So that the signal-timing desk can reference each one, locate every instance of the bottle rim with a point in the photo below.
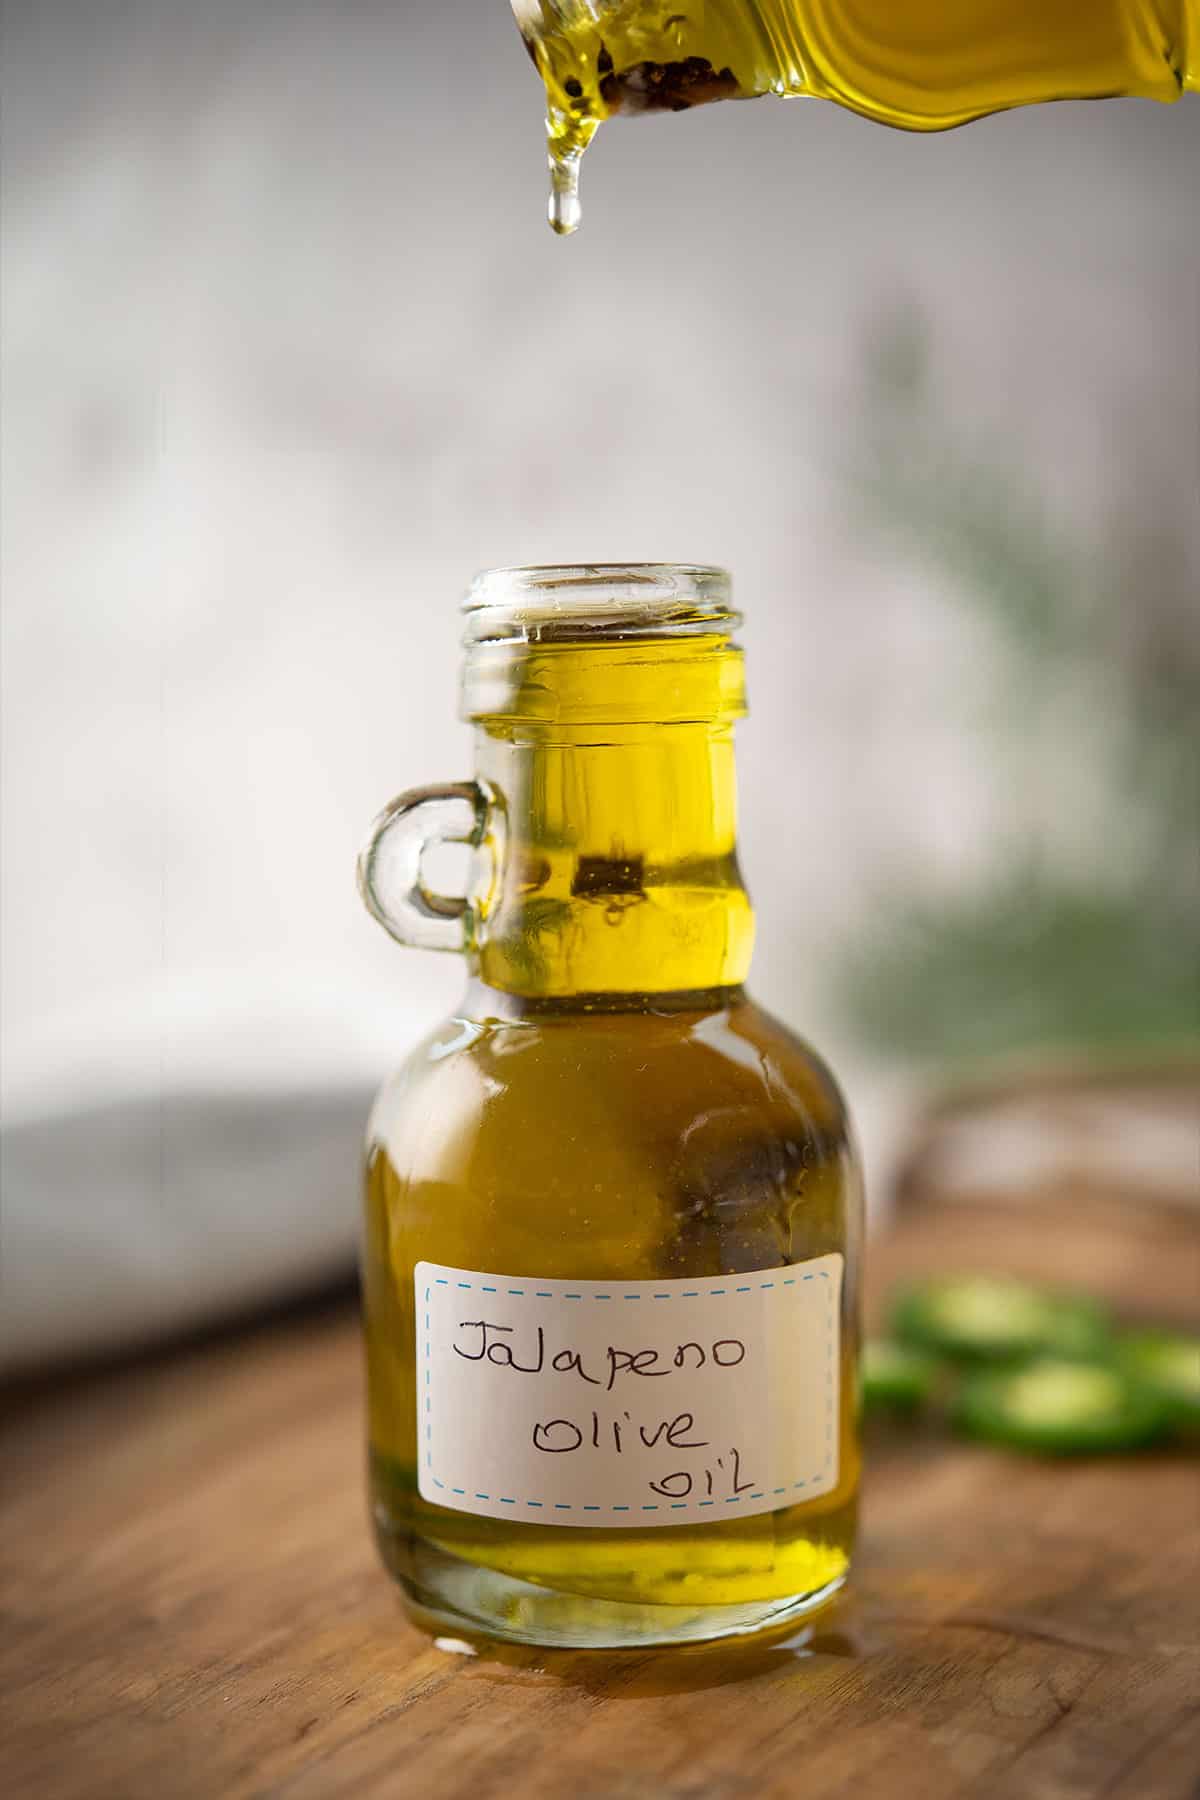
(525, 602)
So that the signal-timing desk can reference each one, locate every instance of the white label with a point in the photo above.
(627, 1403)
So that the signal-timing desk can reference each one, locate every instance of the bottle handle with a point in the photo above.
(389, 868)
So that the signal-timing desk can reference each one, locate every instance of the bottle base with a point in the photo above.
(448, 1596)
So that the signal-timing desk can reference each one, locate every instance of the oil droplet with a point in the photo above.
(564, 210)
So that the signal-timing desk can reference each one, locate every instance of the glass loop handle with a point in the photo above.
(389, 869)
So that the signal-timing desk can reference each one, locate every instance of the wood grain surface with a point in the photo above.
(192, 1607)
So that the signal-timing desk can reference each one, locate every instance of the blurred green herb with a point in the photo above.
(1041, 950)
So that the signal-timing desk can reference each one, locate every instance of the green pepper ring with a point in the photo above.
(1063, 1407)
(1156, 1360)
(990, 1319)
(895, 1377)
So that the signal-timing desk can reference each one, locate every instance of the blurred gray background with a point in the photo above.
(289, 352)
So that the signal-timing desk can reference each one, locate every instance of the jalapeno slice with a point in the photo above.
(895, 1377)
(1168, 1363)
(1062, 1407)
(992, 1318)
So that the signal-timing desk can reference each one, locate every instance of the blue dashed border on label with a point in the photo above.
(529, 1292)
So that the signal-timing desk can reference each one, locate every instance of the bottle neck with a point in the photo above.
(619, 872)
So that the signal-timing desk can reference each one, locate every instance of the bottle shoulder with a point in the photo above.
(676, 1071)
(791, 1058)
(668, 1142)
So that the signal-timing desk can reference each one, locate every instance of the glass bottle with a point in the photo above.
(918, 64)
(613, 1209)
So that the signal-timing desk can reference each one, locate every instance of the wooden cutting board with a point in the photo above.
(192, 1607)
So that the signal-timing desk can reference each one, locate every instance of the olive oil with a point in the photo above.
(918, 64)
(607, 1137)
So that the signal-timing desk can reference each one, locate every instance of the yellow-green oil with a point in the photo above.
(919, 64)
(607, 1102)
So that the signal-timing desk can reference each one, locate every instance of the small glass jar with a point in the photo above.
(613, 1229)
